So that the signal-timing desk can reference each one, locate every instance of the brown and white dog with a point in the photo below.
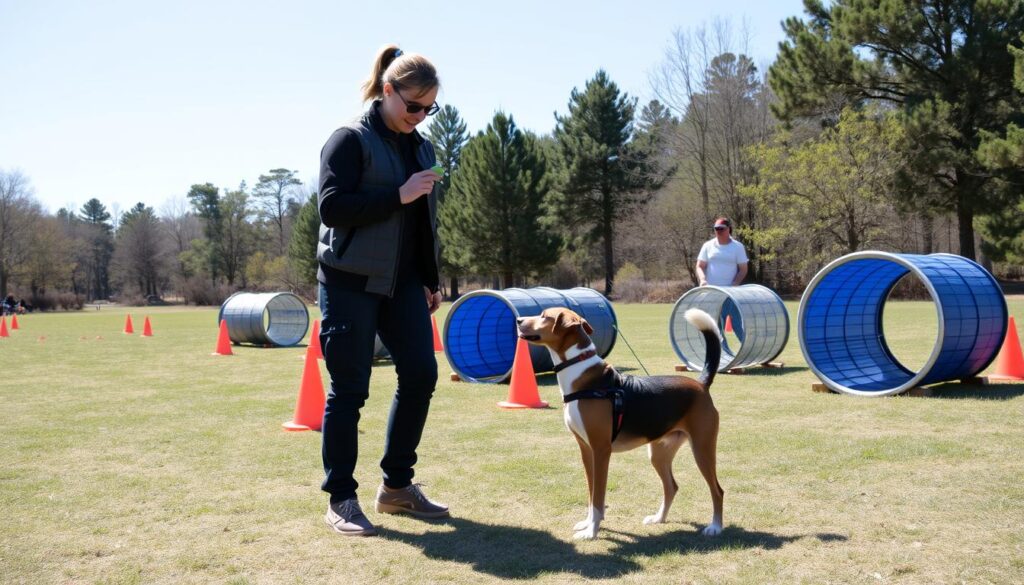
(609, 412)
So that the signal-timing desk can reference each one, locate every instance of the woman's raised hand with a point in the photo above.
(417, 186)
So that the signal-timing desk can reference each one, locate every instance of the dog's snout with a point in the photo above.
(520, 320)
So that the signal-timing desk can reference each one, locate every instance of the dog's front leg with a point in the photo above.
(588, 467)
(599, 486)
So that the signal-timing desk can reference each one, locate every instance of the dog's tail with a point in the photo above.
(712, 340)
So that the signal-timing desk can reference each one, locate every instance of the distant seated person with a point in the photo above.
(21, 308)
(723, 262)
(10, 305)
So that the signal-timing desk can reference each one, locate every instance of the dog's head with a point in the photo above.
(557, 328)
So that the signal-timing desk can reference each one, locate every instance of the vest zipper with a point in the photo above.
(401, 223)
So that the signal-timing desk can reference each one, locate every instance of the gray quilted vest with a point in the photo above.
(372, 250)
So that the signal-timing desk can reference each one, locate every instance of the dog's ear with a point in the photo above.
(559, 321)
(586, 326)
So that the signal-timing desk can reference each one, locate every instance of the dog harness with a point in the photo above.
(616, 395)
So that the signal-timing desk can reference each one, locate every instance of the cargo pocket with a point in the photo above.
(332, 334)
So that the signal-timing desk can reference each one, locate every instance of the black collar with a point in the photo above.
(573, 361)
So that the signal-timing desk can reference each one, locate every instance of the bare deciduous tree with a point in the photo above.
(182, 226)
(710, 83)
(19, 212)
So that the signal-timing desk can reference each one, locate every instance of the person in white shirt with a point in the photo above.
(723, 262)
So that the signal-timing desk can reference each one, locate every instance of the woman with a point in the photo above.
(378, 273)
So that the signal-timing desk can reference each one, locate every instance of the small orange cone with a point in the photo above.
(309, 407)
(728, 323)
(1010, 362)
(223, 340)
(128, 324)
(3, 327)
(14, 322)
(314, 340)
(147, 329)
(437, 337)
(522, 391)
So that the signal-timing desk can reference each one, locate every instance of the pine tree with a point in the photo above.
(1004, 156)
(653, 146)
(303, 243)
(139, 256)
(206, 201)
(944, 65)
(237, 235)
(599, 176)
(491, 220)
(275, 194)
(448, 134)
(101, 245)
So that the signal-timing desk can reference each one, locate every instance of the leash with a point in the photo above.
(619, 332)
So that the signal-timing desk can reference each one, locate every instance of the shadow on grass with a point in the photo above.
(262, 346)
(759, 371)
(956, 391)
(512, 552)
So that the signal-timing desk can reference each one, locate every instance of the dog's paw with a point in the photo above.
(587, 533)
(712, 530)
(581, 524)
(654, 519)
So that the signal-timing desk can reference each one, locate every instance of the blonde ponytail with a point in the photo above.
(402, 70)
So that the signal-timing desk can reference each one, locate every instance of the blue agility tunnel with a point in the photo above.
(840, 321)
(761, 324)
(480, 331)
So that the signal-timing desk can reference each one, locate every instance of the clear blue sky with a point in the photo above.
(136, 101)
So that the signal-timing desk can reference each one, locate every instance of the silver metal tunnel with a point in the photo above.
(265, 318)
(758, 316)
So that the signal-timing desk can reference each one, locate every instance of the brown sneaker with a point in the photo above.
(347, 518)
(408, 500)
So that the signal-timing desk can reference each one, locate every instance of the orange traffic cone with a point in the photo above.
(3, 327)
(147, 329)
(1010, 363)
(309, 408)
(728, 323)
(14, 322)
(314, 340)
(437, 337)
(522, 391)
(223, 340)
(128, 324)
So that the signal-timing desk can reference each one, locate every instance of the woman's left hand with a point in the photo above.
(433, 299)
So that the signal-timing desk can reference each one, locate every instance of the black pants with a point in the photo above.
(351, 320)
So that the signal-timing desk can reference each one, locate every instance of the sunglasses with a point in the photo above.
(414, 108)
(719, 228)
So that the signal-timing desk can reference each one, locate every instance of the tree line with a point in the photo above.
(893, 126)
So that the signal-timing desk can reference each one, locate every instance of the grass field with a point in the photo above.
(135, 460)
